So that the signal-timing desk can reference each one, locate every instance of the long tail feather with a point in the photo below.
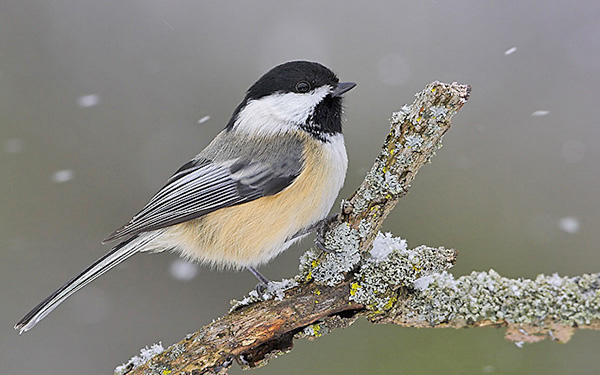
(114, 257)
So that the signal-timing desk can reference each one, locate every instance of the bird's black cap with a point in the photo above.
(292, 77)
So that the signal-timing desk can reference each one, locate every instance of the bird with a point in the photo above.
(267, 180)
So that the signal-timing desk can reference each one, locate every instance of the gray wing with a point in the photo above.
(203, 186)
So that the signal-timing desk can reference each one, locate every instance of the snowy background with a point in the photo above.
(101, 101)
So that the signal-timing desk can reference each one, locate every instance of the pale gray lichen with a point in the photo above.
(405, 110)
(364, 228)
(413, 141)
(400, 116)
(342, 241)
(360, 204)
(392, 185)
(438, 112)
(378, 185)
(145, 355)
(176, 350)
(432, 128)
(488, 296)
(380, 182)
(404, 159)
(380, 276)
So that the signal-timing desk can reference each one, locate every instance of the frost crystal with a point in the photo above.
(136, 361)
(384, 244)
(274, 290)
(423, 282)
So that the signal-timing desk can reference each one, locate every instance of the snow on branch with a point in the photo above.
(377, 276)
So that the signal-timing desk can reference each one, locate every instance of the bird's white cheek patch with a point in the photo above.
(278, 113)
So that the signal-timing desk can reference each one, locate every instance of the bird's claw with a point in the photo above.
(320, 238)
(261, 288)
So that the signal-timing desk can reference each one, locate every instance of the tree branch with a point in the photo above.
(376, 276)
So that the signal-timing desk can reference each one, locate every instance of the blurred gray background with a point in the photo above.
(100, 101)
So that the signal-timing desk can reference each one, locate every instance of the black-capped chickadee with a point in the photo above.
(263, 183)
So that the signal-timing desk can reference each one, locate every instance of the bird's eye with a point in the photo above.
(303, 86)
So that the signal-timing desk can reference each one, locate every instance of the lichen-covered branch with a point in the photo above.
(549, 306)
(416, 133)
(375, 275)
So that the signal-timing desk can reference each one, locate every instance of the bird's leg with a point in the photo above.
(318, 227)
(313, 227)
(262, 280)
(307, 230)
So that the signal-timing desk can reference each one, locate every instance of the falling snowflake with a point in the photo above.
(182, 270)
(62, 176)
(569, 224)
(204, 119)
(87, 101)
(540, 113)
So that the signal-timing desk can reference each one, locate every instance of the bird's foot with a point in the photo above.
(263, 282)
(323, 225)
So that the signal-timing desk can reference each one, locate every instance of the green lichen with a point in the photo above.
(393, 266)
(159, 369)
(315, 330)
(480, 296)
(342, 242)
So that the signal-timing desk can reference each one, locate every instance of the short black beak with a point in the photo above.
(342, 87)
